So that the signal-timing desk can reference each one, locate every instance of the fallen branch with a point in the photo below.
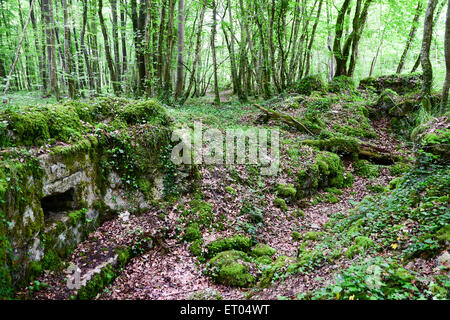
(289, 120)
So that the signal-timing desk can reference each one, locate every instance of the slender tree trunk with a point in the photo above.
(47, 9)
(197, 52)
(39, 48)
(109, 60)
(68, 52)
(169, 52)
(412, 35)
(444, 100)
(115, 37)
(213, 49)
(308, 57)
(83, 48)
(180, 63)
(123, 32)
(435, 21)
(425, 56)
(19, 46)
(147, 55)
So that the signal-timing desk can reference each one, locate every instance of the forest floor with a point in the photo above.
(171, 271)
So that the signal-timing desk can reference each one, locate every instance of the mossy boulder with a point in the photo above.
(237, 242)
(261, 250)
(192, 232)
(327, 170)
(401, 84)
(341, 83)
(280, 203)
(434, 138)
(309, 84)
(231, 268)
(286, 190)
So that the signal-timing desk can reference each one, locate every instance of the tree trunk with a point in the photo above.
(435, 21)
(411, 36)
(83, 48)
(197, 52)
(115, 36)
(213, 49)
(109, 60)
(47, 9)
(123, 31)
(180, 61)
(68, 52)
(19, 46)
(444, 100)
(38, 49)
(425, 56)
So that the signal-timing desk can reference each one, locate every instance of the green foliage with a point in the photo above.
(376, 279)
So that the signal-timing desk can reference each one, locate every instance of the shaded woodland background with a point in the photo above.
(177, 49)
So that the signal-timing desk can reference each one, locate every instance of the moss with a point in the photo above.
(286, 190)
(336, 144)
(237, 242)
(51, 261)
(202, 211)
(196, 247)
(77, 217)
(312, 235)
(365, 169)
(269, 273)
(143, 112)
(299, 213)
(229, 268)
(296, 236)
(193, 233)
(309, 84)
(280, 203)
(401, 84)
(341, 83)
(230, 190)
(97, 283)
(263, 250)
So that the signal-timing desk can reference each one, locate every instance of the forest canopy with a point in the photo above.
(176, 49)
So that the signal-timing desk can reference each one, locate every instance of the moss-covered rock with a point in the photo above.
(263, 250)
(237, 242)
(309, 84)
(341, 83)
(434, 138)
(280, 203)
(286, 190)
(192, 232)
(401, 84)
(327, 170)
(231, 268)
